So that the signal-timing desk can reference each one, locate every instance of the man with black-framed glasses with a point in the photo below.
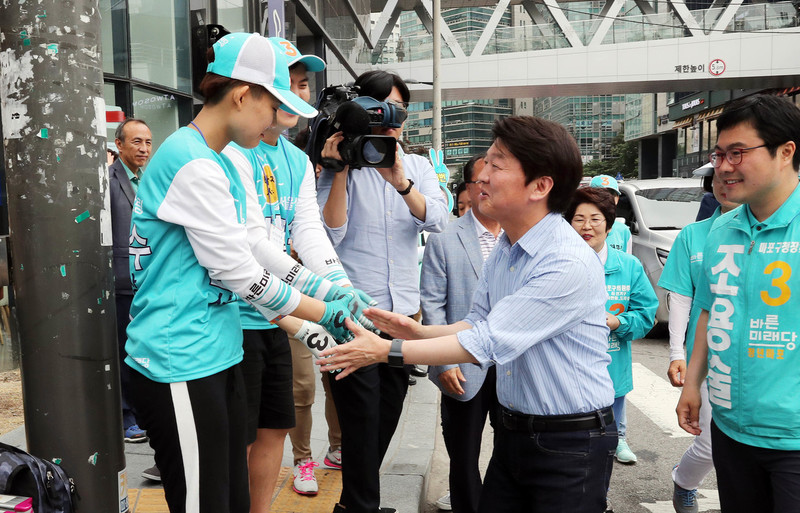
(746, 340)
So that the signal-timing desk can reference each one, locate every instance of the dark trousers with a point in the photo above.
(753, 479)
(123, 319)
(462, 429)
(549, 472)
(198, 432)
(369, 403)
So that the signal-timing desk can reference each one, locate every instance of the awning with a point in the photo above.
(683, 122)
(710, 114)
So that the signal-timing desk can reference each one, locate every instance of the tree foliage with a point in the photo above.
(624, 160)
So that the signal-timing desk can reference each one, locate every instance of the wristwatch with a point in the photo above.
(407, 189)
(396, 353)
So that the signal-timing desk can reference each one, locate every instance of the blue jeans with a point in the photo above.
(620, 415)
(543, 472)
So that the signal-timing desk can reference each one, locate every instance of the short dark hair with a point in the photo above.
(775, 119)
(462, 187)
(120, 131)
(378, 84)
(543, 148)
(469, 167)
(214, 87)
(603, 199)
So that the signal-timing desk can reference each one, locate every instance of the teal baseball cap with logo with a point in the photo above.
(252, 58)
(293, 55)
(605, 182)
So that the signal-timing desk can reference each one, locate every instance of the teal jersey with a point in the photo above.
(619, 237)
(632, 299)
(277, 173)
(188, 259)
(751, 289)
(687, 255)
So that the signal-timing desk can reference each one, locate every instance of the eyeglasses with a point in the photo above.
(733, 156)
(475, 181)
(593, 221)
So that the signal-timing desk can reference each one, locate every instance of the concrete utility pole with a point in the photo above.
(54, 138)
(437, 82)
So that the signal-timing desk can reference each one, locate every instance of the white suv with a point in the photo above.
(655, 211)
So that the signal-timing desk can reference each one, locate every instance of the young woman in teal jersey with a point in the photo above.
(190, 258)
(632, 302)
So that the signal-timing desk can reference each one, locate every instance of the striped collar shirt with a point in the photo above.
(539, 315)
(486, 238)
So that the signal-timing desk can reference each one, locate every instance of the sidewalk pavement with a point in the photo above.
(403, 474)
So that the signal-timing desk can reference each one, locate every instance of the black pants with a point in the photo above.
(369, 403)
(462, 429)
(546, 472)
(123, 319)
(753, 479)
(197, 430)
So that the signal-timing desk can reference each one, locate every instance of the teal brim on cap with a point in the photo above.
(292, 103)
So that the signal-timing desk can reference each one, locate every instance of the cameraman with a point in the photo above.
(373, 217)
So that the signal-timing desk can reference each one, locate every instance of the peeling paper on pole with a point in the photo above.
(16, 71)
(99, 122)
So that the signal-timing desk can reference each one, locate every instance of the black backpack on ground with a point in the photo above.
(26, 475)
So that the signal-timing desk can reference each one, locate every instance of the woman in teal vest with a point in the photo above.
(632, 302)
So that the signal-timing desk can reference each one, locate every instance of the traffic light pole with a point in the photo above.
(54, 138)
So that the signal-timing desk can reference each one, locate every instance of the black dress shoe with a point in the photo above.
(412, 381)
(416, 371)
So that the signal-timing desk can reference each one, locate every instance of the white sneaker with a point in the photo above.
(444, 502)
(333, 459)
(304, 481)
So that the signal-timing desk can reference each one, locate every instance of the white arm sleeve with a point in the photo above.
(266, 252)
(309, 237)
(679, 308)
(199, 199)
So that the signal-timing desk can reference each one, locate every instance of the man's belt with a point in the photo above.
(598, 419)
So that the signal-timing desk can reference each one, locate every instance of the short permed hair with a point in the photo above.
(603, 199)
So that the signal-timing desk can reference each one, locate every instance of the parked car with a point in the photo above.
(655, 211)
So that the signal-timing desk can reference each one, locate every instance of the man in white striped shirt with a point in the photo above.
(538, 314)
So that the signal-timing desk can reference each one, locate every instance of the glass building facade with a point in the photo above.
(592, 120)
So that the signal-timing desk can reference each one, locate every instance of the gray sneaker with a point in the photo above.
(333, 459)
(683, 500)
(153, 474)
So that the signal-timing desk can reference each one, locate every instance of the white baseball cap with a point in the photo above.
(252, 58)
(293, 55)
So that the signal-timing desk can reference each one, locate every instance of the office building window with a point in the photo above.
(159, 41)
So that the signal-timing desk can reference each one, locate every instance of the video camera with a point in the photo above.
(343, 110)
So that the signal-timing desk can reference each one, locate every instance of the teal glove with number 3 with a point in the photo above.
(357, 301)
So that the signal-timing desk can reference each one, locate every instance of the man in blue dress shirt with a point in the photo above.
(538, 314)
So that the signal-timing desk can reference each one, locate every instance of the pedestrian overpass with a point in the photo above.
(561, 48)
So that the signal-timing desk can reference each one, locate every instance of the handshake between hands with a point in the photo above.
(342, 303)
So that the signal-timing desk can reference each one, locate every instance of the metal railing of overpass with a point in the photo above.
(564, 48)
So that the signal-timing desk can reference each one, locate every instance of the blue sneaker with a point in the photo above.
(135, 435)
(683, 500)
